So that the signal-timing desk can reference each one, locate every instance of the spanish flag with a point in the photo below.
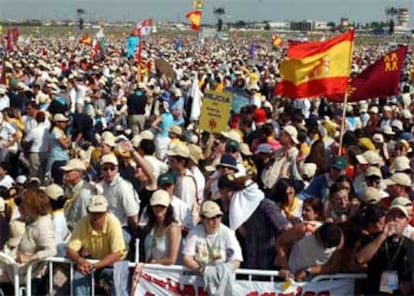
(277, 42)
(194, 17)
(318, 68)
(86, 39)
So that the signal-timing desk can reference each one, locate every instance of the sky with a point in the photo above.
(175, 10)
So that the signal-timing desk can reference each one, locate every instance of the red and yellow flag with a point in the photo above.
(318, 68)
(86, 39)
(194, 17)
(277, 42)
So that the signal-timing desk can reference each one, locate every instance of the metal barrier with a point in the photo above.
(247, 272)
(16, 281)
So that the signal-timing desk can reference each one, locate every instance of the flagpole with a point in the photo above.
(341, 135)
(139, 78)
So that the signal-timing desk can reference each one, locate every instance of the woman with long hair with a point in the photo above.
(257, 219)
(164, 234)
(317, 155)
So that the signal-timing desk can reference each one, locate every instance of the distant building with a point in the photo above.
(402, 18)
(280, 25)
(309, 25)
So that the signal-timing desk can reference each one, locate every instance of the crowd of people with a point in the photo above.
(91, 159)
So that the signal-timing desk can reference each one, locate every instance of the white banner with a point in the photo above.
(150, 281)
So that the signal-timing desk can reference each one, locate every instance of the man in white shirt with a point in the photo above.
(29, 120)
(185, 186)
(37, 140)
(122, 198)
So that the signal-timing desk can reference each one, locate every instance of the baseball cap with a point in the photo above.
(210, 209)
(232, 145)
(74, 164)
(398, 178)
(371, 195)
(309, 169)
(400, 164)
(98, 204)
(339, 163)
(196, 153)
(54, 191)
(59, 117)
(245, 149)
(373, 171)
(228, 161)
(292, 132)
(176, 130)
(109, 158)
(160, 198)
(403, 204)
(264, 148)
(368, 157)
(180, 150)
(165, 179)
(232, 135)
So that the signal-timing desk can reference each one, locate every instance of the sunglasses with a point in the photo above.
(213, 218)
(105, 169)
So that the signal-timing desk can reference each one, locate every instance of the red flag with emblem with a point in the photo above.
(381, 79)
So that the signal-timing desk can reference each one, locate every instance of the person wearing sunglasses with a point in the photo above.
(123, 200)
(211, 242)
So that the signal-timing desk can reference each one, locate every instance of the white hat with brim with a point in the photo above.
(160, 198)
(98, 204)
(232, 135)
(109, 158)
(180, 150)
(403, 204)
(292, 132)
(398, 178)
(371, 195)
(59, 117)
(74, 164)
(210, 209)
(54, 191)
(400, 164)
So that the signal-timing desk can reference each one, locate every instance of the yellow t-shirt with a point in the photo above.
(98, 245)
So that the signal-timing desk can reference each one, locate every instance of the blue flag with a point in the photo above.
(252, 49)
(179, 44)
(132, 43)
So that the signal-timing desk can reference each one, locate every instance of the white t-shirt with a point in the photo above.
(219, 247)
(308, 252)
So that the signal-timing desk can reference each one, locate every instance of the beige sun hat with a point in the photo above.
(54, 191)
(160, 198)
(98, 204)
(210, 209)
(74, 164)
(292, 132)
(180, 150)
(109, 158)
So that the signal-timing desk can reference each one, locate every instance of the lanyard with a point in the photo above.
(213, 246)
(391, 263)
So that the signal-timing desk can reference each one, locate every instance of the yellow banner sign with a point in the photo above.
(215, 113)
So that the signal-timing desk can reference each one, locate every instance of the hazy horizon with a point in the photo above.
(135, 10)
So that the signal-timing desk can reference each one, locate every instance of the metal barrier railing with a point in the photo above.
(247, 272)
(16, 278)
